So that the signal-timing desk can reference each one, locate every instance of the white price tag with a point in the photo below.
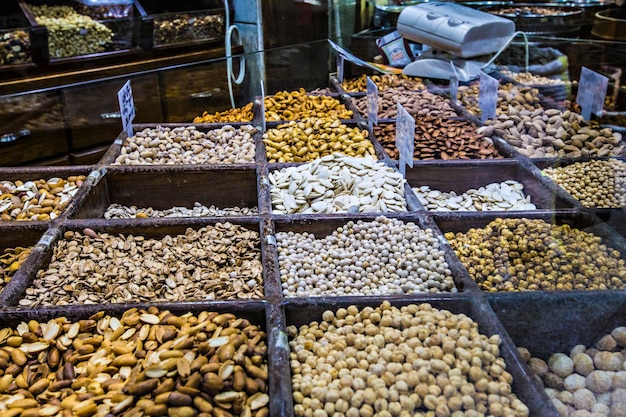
(127, 107)
(487, 97)
(340, 65)
(454, 84)
(263, 125)
(405, 138)
(594, 84)
(372, 103)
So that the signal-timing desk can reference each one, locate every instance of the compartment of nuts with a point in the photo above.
(537, 251)
(338, 183)
(285, 106)
(140, 192)
(308, 139)
(96, 263)
(436, 356)
(382, 81)
(207, 360)
(443, 138)
(493, 185)
(418, 103)
(186, 145)
(574, 347)
(16, 245)
(366, 256)
(38, 194)
(70, 33)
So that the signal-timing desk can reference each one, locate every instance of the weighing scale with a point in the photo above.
(454, 33)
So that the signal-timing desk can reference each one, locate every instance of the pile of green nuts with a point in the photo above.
(37, 199)
(589, 381)
(531, 254)
(414, 360)
(596, 183)
(70, 33)
(147, 362)
(284, 105)
(10, 261)
(384, 256)
(383, 82)
(312, 138)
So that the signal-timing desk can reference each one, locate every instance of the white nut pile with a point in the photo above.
(589, 382)
(337, 184)
(410, 361)
(118, 211)
(385, 256)
(187, 145)
(498, 196)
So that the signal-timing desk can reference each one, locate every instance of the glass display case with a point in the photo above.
(262, 247)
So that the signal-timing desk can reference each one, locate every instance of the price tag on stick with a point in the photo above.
(454, 83)
(263, 122)
(372, 103)
(592, 85)
(127, 107)
(405, 137)
(487, 97)
(340, 65)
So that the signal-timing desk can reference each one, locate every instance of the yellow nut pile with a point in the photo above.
(410, 361)
(531, 254)
(71, 33)
(312, 138)
(596, 183)
(146, 363)
(10, 261)
(284, 105)
(589, 381)
(383, 81)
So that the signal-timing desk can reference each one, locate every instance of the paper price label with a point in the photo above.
(263, 125)
(372, 103)
(127, 107)
(594, 84)
(405, 134)
(454, 83)
(340, 65)
(487, 97)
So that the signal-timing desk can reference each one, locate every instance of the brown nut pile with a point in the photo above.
(146, 363)
(528, 78)
(596, 183)
(37, 199)
(383, 82)
(186, 27)
(285, 105)
(553, 133)
(589, 381)
(439, 138)
(409, 361)
(10, 261)
(215, 262)
(419, 103)
(531, 254)
(312, 138)
(71, 33)
(510, 97)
